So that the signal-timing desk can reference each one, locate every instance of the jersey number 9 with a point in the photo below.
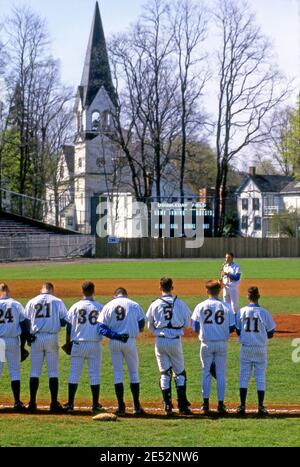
(120, 313)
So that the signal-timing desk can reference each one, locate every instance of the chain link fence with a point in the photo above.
(43, 247)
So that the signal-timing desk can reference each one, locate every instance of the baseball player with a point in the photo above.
(121, 320)
(47, 314)
(255, 326)
(86, 345)
(213, 320)
(231, 275)
(12, 325)
(167, 317)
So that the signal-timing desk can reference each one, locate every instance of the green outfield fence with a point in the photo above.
(212, 248)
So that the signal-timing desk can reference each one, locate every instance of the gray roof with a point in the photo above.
(267, 183)
(96, 70)
(292, 187)
(69, 153)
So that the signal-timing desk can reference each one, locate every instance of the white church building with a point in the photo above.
(87, 170)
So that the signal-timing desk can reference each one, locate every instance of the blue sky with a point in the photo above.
(69, 24)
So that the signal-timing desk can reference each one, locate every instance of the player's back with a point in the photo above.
(11, 314)
(45, 312)
(215, 318)
(122, 316)
(170, 314)
(83, 316)
(254, 322)
(234, 270)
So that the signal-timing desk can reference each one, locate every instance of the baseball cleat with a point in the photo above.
(139, 411)
(221, 410)
(168, 409)
(185, 411)
(32, 407)
(98, 409)
(205, 409)
(262, 410)
(241, 410)
(19, 407)
(56, 407)
(120, 412)
(68, 407)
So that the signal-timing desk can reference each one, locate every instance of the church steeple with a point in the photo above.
(96, 71)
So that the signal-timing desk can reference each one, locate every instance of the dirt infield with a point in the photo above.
(184, 287)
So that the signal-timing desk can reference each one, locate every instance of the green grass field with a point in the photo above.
(181, 269)
(283, 376)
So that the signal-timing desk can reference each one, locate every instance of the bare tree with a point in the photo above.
(27, 42)
(249, 89)
(113, 166)
(148, 106)
(59, 131)
(189, 27)
(51, 125)
(35, 100)
(3, 110)
(275, 150)
(158, 61)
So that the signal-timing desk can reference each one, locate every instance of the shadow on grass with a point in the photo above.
(157, 416)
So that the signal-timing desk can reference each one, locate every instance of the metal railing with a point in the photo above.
(43, 247)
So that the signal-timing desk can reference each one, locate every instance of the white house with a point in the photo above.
(259, 197)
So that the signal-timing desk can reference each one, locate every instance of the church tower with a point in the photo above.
(94, 104)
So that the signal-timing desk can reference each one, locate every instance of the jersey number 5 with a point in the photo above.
(168, 312)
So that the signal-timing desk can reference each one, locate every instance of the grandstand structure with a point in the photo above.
(24, 238)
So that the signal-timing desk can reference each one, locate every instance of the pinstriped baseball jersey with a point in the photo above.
(215, 317)
(11, 315)
(83, 317)
(45, 312)
(254, 322)
(167, 316)
(231, 270)
(122, 316)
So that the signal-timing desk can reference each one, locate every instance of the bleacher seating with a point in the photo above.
(13, 228)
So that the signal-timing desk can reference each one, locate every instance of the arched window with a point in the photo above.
(96, 121)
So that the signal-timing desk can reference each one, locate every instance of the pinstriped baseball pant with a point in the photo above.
(90, 351)
(169, 354)
(213, 351)
(253, 358)
(231, 297)
(45, 346)
(121, 351)
(13, 356)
